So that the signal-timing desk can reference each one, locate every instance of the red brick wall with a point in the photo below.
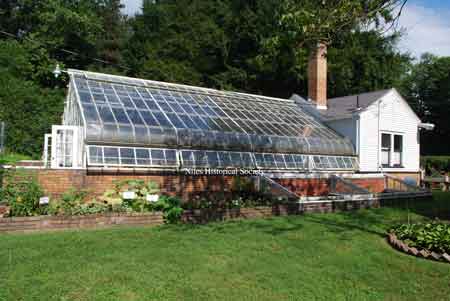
(374, 185)
(56, 182)
(306, 187)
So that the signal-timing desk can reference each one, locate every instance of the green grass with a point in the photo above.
(12, 158)
(313, 257)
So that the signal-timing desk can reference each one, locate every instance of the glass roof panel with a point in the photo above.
(138, 102)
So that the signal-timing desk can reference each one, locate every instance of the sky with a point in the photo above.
(426, 25)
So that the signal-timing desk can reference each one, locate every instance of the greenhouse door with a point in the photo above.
(64, 150)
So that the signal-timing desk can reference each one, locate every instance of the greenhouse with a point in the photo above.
(120, 122)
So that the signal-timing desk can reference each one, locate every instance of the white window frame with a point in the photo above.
(391, 150)
(74, 144)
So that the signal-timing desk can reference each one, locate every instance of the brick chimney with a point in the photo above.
(317, 76)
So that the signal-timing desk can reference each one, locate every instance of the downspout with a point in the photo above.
(379, 138)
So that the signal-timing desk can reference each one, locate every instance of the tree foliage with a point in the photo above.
(427, 89)
(253, 46)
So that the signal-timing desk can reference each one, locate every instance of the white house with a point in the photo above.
(381, 125)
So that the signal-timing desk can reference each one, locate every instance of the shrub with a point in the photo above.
(171, 208)
(22, 193)
(435, 165)
(433, 236)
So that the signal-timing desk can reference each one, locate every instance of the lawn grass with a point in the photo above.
(340, 256)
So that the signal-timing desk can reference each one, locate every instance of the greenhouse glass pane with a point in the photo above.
(279, 161)
(333, 162)
(188, 158)
(177, 108)
(127, 156)
(225, 160)
(341, 163)
(176, 121)
(213, 159)
(111, 155)
(120, 115)
(200, 123)
(99, 98)
(135, 117)
(85, 97)
(143, 157)
(95, 155)
(188, 122)
(236, 160)
(247, 160)
(139, 103)
(126, 101)
(317, 162)
(106, 114)
(165, 107)
(348, 162)
(113, 99)
(158, 157)
(149, 119)
(270, 161)
(187, 108)
(243, 115)
(290, 162)
(171, 157)
(152, 105)
(163, 121)
(260, 160)
(90, 113)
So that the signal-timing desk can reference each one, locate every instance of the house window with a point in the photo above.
(385, 150)
(391, 150)
(398, 151)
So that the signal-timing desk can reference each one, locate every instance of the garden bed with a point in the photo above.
(429, 240)
(423, 253)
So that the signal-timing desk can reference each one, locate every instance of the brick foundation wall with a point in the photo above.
(306, 187)
(56, 182)
(53, 223)
(404, 175)
(95, 221)
(374, 185)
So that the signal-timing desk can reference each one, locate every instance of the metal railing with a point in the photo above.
(339, 186)
(394, 184)
(267, 186)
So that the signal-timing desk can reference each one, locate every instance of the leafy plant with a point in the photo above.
(433, 236)
(141, 190)
(69, 204)
(22, 193)
(171, 208)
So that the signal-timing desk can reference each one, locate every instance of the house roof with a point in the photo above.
(344, 107)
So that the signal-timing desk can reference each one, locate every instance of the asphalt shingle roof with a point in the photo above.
(341, 107)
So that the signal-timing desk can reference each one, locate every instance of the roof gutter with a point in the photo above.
(427, 126)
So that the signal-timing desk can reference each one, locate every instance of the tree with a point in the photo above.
(242, 45)
(427, 89)
(308, 22)
(27, 109)
(363, 61)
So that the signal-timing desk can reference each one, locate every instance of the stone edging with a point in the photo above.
(423, 253)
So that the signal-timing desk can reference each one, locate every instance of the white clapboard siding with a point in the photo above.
(391, 114)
